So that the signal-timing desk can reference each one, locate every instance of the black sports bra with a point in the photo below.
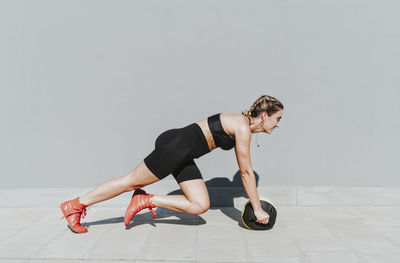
(221, 138)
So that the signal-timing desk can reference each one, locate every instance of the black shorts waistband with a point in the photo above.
(201, 141)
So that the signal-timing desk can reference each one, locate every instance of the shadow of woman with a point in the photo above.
(222, 192)
(146, 218)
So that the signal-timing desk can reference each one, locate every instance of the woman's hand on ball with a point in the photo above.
(262, 216)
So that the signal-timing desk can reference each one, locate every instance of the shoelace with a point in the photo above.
(83, 213)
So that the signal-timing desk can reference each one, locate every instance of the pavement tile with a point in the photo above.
(393, 211)
(46, 260)
(51, 216)
(70, 245)
(169, 253)
(386, 227)
(302, 234)
(361, 237)
(274, 250)
(18, 249)
(264, 259)
(173, 235)
(219, 230)
(218, 254)
(364, 211)
(296, 216)
(121, 244)
(9, 260)
(38, 234)
(24, 216)
(332, 257)
(6, 211)
(227, 242)
(9, 230)
(314, 238)
(390, 233)
(275, 235)
(332, 212)
(380, 257)
(161, 261)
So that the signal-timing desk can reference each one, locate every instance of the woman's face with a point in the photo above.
(271, 122)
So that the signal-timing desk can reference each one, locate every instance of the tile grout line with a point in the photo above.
(144, 247)
(349, 245)
(303, 254)
(393, 242)
(98, 241)
(196, 250)
(22, 229)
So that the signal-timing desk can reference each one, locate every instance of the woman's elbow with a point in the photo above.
(245, 175)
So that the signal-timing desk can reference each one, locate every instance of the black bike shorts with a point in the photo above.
(174, 152)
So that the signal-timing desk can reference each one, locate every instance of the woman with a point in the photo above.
(174, 152)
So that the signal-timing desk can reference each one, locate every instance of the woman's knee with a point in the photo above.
(129, 183)
(132, 181)
(200, 207)
(139, 177)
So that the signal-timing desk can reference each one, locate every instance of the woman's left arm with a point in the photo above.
(242, 150)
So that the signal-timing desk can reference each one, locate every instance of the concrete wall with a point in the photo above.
(87, 86)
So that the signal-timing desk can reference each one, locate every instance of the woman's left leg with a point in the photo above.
(74, 209)
(137, 178)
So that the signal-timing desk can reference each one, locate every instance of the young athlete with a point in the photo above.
(174, 153)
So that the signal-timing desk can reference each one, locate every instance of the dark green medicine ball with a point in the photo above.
(249, 219)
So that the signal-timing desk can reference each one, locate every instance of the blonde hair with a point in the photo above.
(264, 103)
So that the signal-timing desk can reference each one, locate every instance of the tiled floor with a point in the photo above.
(322, 224)
(301, 234)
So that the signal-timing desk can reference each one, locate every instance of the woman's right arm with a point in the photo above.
(242, 150)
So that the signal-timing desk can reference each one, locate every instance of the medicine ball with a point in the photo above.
(249, 219)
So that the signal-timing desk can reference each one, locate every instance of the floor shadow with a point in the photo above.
(222, 192)
(147, 218)
(108, 221)
(186, 222)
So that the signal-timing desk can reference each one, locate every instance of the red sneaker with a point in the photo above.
(72, 211)
(140, 200)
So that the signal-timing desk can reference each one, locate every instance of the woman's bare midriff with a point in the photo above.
(207, 133)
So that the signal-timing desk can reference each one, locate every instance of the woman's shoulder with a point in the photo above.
(234, 118)
(232, 122)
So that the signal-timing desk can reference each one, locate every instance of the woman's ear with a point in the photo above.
(264, 115)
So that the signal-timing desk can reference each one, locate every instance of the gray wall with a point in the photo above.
(87, 86)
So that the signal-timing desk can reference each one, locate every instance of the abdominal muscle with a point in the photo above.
(207, 133)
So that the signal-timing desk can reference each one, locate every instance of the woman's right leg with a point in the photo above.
(137, 178)
(194, 201)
